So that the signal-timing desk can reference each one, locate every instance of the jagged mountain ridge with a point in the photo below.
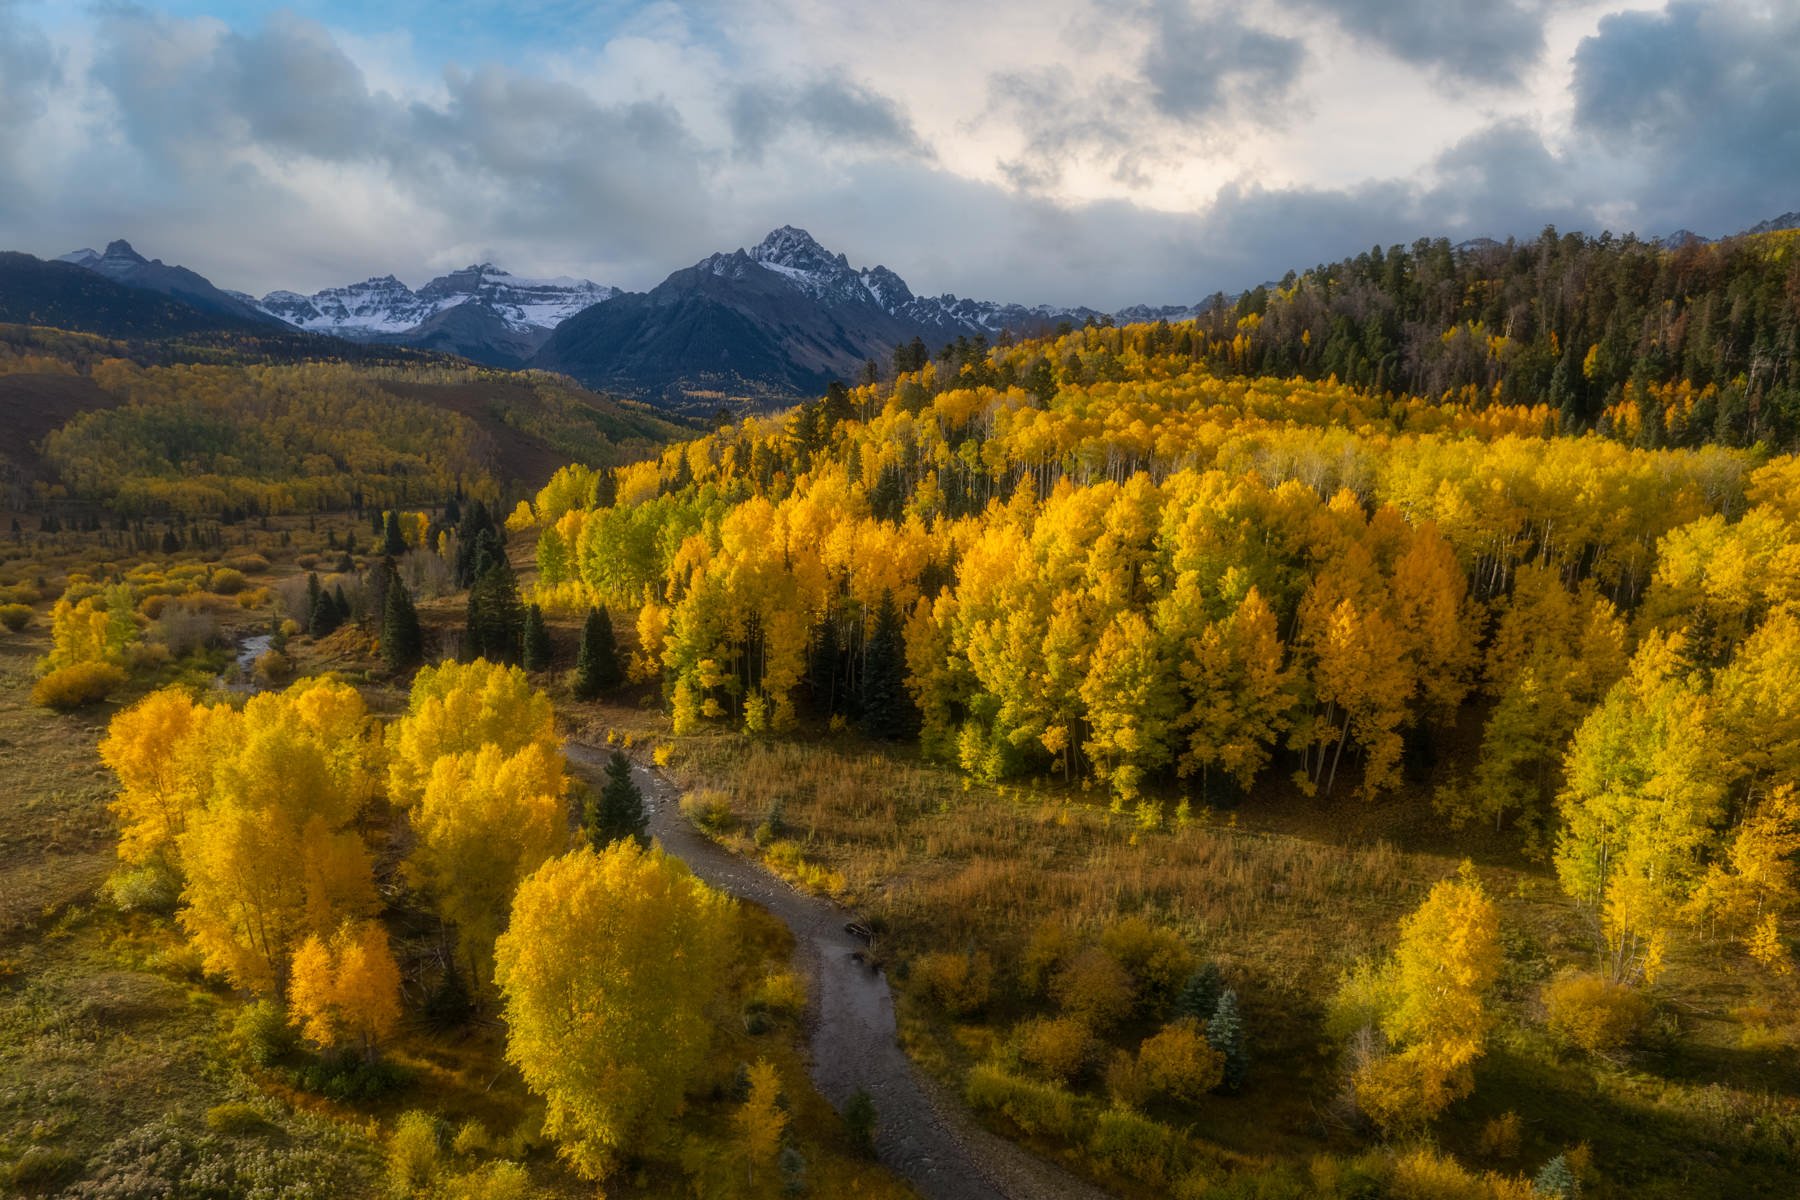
(384, 307)
(124, 265)
(781, 319)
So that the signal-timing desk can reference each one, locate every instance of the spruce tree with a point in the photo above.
(393, 542)
(341, 602)
(822, 671)
(597, 662)
(1200, 994)
(324, 618)
(402, 644)
(886, 708)
(1225, 1033)
(534, 641)
(496, 614)
(619, 810)
(1557, 1179)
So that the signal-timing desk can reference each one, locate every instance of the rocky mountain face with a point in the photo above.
(123, 265)
(480, 312)
(779, 320)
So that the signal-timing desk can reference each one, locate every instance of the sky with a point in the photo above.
(1039, 151)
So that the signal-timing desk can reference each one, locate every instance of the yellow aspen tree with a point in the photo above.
(163, 750)
(607, 967)
(761, 1123)
(459, 707)
(1132, 704)
(346, 991)
(487, 820)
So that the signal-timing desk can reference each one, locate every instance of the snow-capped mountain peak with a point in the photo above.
(383, 307)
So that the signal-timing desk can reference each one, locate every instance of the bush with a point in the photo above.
(41, 1168)
(496, 1181)
(1179, 1064)
(15, 616)
(1050, 946)
(1059, 1047)
(260, 1033)
(780, 992)
(1094, 988)
(859, 1123)
(471, 1138)
(226, 581)
(272, 668)
(1596, 1014)
(1036, 1108)
(1127, 1081)
(73, 686)
(707, 809)
(1126, 1143)
(236, 1117)
(413, 1157)
(1157, 960)
(143, 889)
(960, 984)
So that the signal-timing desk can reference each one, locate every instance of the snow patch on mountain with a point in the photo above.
(385, 307)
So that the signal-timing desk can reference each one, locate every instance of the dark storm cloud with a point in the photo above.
(1199, 64)
(1705, 102)
(836, 110)
(1478, 41)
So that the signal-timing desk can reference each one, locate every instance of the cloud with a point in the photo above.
(835, 110)
(1700, 102)
(1200, 64)
(1462, 41)
(29, 69)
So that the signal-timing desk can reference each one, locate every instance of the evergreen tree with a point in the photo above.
(534, 641)
(1200, 994)
(886, 707)
(393, 543)
(619, 810)
(1225, 1033)
(1557, 1179)
(342, 604)
(822, 671)
(496, 615)
(597, 662)
(324, 618)
(402, 644)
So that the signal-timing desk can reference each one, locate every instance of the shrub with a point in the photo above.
(1500, 1136)
(226, 581)
(248, 564)
(1059, 1047)
(1036, 1108)
(73, 686)
(260, 1033)
(780, 992)
(1596, 1014)
(41, 1168)
(663, 755)
(960, 984)
(236, 1117)
(1178, 1062)
(1127, 1080)
(1093, 987)
(1129, 1144)
(1050, 946)
(1157, 960)
(496, 1181)
(15, 616)
(412, 1156)
(260, 597)
(707, 809)
(272, 667)
(859, 1123)
(143, 889)
(471, 1138)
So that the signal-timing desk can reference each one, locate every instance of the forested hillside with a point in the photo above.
(1661, 346)
(217, 429)
(1122, 561)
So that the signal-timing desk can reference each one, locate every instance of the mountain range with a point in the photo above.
(765, 325)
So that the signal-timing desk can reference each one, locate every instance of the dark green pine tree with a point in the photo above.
(324, 618)
(472, 626)
(1225, 1033)
(1200, 994)
(312, 600)
(534, 641)
(496, 614)
(393, 543)
(341, 602)
(887, 710)
(402, 644)
(597, 662)
(618, 812)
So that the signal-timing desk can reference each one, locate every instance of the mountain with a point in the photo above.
(126, 266)
(480, 312)
(782, 319)
(65, 295)
(1776, 224)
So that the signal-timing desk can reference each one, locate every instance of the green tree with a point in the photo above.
(534, 639)
(496, 615)
(618, 812)
(1200, 994)
(597, 667)
(1225, 1033)
(393, 542)
(402, 643)
(886, 707)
